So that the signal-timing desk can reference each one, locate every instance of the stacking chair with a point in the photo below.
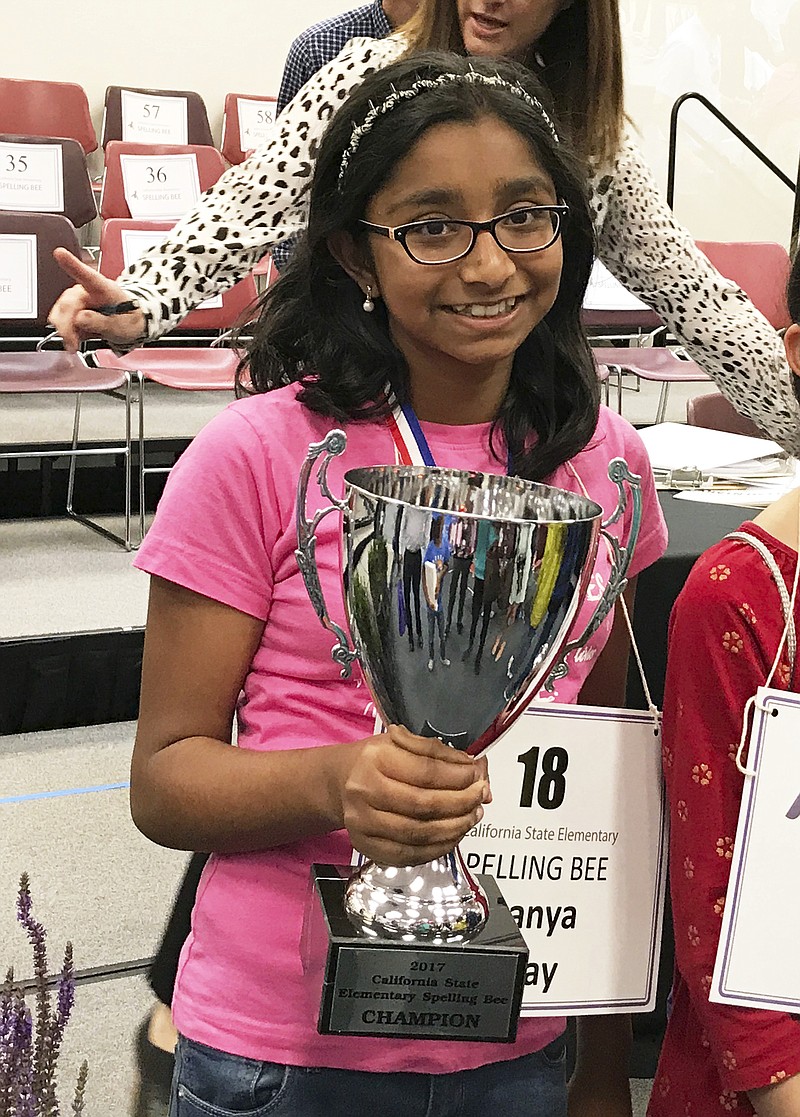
(171, 116)
(26, 254)
(183, 368)
(113, 201)
(77, 196)
(714, 412)
(246, 122)
(760, 268)
(46, 108)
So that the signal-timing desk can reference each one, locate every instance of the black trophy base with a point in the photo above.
(381, 987)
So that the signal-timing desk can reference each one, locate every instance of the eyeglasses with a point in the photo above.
(441, 240)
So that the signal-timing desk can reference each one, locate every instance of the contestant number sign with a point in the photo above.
(32, 177)
(256, 119)
(18, 276)
(161, 186)
(155, 119)
(576, 839)
(758, 963)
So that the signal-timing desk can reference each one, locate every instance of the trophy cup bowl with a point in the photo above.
(460, 590)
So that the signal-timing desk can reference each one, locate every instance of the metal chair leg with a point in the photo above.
(122, 541)
(662, 402)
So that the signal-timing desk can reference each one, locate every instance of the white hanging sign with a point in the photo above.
(32, 177)
(135, 242)
(576, 839)
(155, 119)
(160, 186)
(758, 963)
(18, 276)
(256, 120)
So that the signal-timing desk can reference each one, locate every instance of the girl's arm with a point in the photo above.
(656, 258)
(600, 1087)
(403, 799)
(780, 1100)
(252, 207)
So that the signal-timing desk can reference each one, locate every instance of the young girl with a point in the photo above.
(725, 630)
(441, 211)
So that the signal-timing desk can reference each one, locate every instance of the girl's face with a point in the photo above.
(505, 27)
(474, 313)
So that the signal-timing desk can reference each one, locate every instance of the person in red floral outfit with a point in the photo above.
(724, 634)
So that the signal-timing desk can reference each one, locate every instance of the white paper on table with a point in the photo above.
(607, 293)
(160, 186)
(19, 296)
(256, 121)
(147, 118)
(680, 446)
(758, 963)
(135, 242)
(32, 177)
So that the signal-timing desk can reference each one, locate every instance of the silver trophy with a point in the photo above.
(461, 589)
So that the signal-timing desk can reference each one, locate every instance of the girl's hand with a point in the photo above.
(407, 799)
(74, 315)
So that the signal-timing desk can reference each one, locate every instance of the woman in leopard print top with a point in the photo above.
(262, 201)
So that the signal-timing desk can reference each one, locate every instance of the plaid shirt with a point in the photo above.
(311, 51)
(322, 42)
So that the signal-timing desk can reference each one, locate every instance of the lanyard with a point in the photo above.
(411, 445)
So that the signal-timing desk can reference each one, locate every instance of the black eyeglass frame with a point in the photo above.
(400, 232)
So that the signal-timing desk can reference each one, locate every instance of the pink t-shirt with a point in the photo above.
(225, 528)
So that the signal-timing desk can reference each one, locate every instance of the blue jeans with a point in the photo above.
(209, 1083)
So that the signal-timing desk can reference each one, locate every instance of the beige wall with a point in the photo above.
(743, 53)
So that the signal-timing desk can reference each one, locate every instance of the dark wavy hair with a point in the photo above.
(312, 326)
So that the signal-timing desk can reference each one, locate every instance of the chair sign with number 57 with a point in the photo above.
(256, 120)
(32, 177)
(160, 185)
(153, 118)
(758, 963)
(576, 839)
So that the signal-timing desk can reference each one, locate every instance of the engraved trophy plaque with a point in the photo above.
(460, 590)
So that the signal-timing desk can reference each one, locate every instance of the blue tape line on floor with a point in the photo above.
(62, 794)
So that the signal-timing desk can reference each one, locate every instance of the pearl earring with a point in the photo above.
(369, 304)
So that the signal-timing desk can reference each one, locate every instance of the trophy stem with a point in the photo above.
(437, 902)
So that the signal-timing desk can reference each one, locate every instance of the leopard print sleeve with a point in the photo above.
(253, 206)
(657, 259)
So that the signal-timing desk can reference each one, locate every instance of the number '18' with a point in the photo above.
(551, 785)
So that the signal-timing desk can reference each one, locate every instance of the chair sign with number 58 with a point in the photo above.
(160, 185)
(256, 120)
(576, 838)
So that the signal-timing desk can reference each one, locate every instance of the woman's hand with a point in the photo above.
(74, 316)
(407, 799)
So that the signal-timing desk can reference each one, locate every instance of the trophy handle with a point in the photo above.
(621, 557)
(332, 446)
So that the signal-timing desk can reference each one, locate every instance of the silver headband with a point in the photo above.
(397, 96)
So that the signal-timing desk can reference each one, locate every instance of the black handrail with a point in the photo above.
(748, 143)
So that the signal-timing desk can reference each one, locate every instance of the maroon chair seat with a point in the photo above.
(188, 369)
(114, 204)
(714, 412)
(198, 130)
(79, 204)
(46, 108)
(55, 371)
